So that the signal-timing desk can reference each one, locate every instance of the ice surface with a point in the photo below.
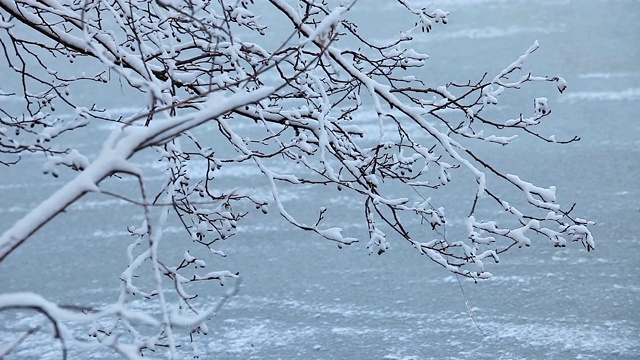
(303, 298)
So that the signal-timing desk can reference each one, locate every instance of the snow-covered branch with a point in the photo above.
(210, 90)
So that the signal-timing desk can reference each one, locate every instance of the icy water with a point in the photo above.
(302, 298)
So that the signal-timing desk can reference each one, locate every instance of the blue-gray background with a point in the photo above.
(303, 298)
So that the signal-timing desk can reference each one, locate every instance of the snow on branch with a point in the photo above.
(207, 90)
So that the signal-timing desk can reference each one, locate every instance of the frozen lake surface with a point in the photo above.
(302, 298)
